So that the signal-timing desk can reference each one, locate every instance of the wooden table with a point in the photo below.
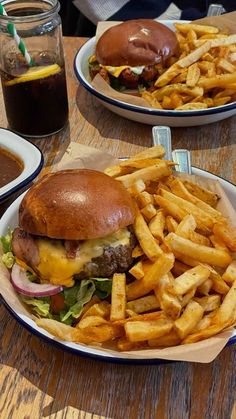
(38, 380)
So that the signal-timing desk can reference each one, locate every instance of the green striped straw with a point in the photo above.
(12, 31)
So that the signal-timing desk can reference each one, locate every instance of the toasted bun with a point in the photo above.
(76, 205)
(135, 43)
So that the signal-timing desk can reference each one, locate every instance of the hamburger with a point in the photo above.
(128, 54)
(74, 227)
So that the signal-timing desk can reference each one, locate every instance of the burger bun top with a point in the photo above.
(76, 205)
(136, 43)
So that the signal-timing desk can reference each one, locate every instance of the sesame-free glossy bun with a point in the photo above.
(76, 205)
(136, 43)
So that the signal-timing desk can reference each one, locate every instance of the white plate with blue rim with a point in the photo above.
(10, 220)
(30, 157)
(171, 118)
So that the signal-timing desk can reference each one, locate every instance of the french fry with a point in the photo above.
(101, 309)
(205, 287)
(148, 173)
(193, 75)
(179, 268)
(223, 41)
(137, 331)
(169, 303)
(192, 106)
(170, 339)
(137, 270)
(146, 239)
(142, 163)
(189, 319)
(217, 243)
(226, 234)
(204, 221)
(187, 260)
(171, 223)
(178, 87)
(221, 100)
(118, 297)
(176, 99)
(221, 80)
(226, 65)
(170, 208)
(195, 55)
(94, 300)
(226, 312)
(63, 331)
(218, 283)
(151, 100)
(229, 275)
(202, 253)
(210, 331)
(137, 251)
(199, 238)
(98, 334)
(156, 225)
(149, 212)
(130, 313)
(155, 152)
(205, 322)
(178, 188)
(209, 303)
(144, 304)
(124, 344)
(185, 227)
(168, 75)
(137, 187)
(141, 287)
(115, 171)
(198, 29)
(188, 296)
(189, 279)
(209, 197)
(91, 321)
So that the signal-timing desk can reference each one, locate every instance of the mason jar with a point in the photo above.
(34, 91)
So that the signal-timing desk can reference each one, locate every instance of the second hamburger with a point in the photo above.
(127, 55)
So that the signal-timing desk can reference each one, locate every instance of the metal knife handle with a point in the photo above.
(215, 10)
(161, 135)
(183, 160)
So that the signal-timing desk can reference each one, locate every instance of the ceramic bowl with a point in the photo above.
(149, 116)
(28, 153)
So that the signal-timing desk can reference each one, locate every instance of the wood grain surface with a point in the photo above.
(41, 381)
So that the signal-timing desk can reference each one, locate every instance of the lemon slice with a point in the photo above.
(35, 73)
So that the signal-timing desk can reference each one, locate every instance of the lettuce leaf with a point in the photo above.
(103, 287)
(7, 257)
(76, 297)
(41, 305)
(6, 242)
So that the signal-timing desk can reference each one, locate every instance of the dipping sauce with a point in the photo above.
(10, 167)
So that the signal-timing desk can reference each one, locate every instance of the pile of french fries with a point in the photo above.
(182, 285)
(203, 76)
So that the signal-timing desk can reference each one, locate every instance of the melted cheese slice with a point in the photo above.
(115, 71)
(56, 268)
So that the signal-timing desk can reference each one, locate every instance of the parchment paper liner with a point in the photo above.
(224, 22)
(79, 156)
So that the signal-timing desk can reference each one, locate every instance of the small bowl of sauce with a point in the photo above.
(10, 166)
(20, 163)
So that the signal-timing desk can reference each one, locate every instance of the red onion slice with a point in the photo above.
(21, 284)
